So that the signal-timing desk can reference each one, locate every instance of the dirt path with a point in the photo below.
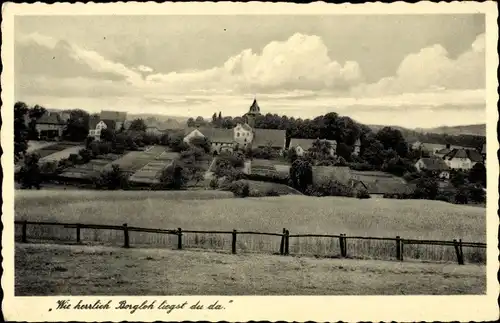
(78, 270)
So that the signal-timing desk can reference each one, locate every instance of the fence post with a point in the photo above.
(78, 233)
(345, 245)
(282, 244)
(287, 242)
(457, 251)
(461, 260)
(398, 247)
(24, 237)
(341, 244)
(233, 245)
(179, 238)
(402, 244)
(125, 236)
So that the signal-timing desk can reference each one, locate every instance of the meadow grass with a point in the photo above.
(212, 210)
(44, 270)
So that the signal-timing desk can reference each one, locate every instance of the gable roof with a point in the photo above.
(113, 115)
(464, 153)
(434, 163)
(213, 134)
(50, 118)
(306, 144)
(245, 126)
(273, 137)
(443, 151)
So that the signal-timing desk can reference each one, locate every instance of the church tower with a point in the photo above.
(252, 113)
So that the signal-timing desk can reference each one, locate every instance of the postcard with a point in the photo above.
(250, 161)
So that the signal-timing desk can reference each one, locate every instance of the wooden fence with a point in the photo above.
(338, 246)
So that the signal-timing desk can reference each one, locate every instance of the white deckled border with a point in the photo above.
(272, 308)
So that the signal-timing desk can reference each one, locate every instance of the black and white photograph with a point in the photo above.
(254, 153)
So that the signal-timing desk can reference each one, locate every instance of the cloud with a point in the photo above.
(431, 69)
(144, 69)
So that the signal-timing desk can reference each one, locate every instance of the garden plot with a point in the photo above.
(263, 167)
(34, 145)
(135, 160)
(150, 173)
(90, 169)
(46, 151)
(60, 153)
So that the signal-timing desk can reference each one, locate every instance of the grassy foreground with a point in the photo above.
(215, 210)
(76, 270)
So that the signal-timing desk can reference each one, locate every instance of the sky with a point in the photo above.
(406, 70)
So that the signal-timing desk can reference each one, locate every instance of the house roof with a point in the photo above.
(245, 126)
(113, 115)
(50, 118)
(93, 121)
(306, 144)
(464, 153)
(213, 134)
(273, 137)
(434, 163)
(443, 151)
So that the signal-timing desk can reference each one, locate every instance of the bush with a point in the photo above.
(362, 194)
(214, 183)
(49, 168)
(329, 188)
(85, 154)
(239, 188)
(111, 179)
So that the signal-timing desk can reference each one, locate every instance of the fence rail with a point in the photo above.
(347, 246)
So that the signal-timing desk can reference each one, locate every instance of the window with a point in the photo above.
(237, 134)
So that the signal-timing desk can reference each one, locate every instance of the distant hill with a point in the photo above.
(474, 129)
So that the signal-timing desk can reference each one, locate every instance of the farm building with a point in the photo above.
(435, 165)
(113, 119)
(154, 131)
(379, 184)
(462, 158)
(221, 139)
(273, 138)
(50, 126)
(301, 146)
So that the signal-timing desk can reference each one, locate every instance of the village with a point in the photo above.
(266, 157)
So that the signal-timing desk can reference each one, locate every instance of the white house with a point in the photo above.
(243, 135)
(462, 158)
(96, 131)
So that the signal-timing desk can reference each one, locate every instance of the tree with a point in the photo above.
(111, 179)
(77, 127)
(108, 135)
(427, 188)
(392, 138)
(138, 125)
(199, 121)
(192, 161)
(20, 130)
(201, 142)
(34, 114)
(190, 122)
(173, 176)
(214, 118)
(30, 174)
(478, 174)
(458, 178)
(301, 174)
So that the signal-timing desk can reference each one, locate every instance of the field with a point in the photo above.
(34, 145)
(266, 186)
(135, 160)
(410, 219)
(45, 270)
(56, 155)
